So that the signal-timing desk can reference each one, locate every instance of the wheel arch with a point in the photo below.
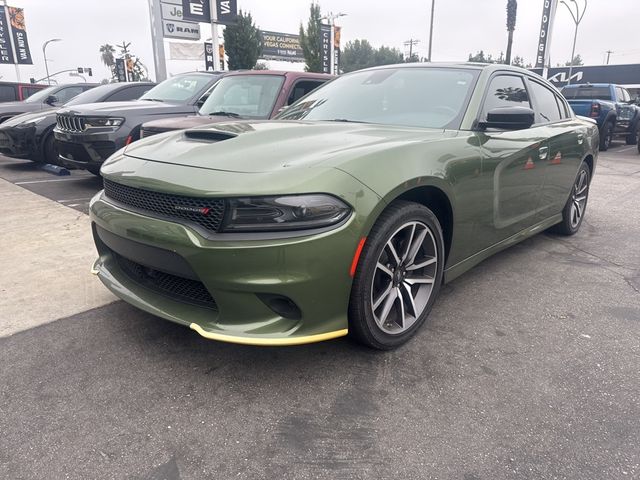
(432, 194)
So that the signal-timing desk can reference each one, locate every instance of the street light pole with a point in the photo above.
(577, 18)
(44, 52)
(433, 7)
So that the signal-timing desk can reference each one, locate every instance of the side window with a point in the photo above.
(7, 93)
(28, 91)
(301, 88)
(66, 94)
(564, 110)
(546, 103)
(505, 91)
(626, 95)
(129, 93)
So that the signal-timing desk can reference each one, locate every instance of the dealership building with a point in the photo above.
(627, 76)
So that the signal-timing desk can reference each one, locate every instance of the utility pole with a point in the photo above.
(410, 43)
(157, 40)
(608, 52)
(577, 18)
(215, 41)
(433, 7)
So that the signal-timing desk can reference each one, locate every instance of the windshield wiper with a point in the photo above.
(346, 120)
(152, 99)
(225, 114)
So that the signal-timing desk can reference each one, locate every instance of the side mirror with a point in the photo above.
(51, 100)
(509, 118)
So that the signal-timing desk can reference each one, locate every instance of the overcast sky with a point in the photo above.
(461, 27)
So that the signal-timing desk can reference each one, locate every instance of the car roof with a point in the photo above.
(323, 76)
(119, 85)
(586, 85)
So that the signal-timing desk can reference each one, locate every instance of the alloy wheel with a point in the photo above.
(403, 280)
(579, 198)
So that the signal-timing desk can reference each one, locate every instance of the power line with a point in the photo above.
(410, 43)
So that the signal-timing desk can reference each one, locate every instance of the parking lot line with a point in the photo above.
(627, 149)
(27, 182)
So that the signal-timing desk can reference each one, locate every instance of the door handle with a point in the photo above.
(580, 138)
(543, 152)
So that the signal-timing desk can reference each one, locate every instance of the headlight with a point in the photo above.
(291, 212)
(104, 122)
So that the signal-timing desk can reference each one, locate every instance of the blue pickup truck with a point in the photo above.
(617, 113)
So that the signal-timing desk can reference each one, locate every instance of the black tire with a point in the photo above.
(49, 151)
(568, 226)
(362, 321)
(606, 136)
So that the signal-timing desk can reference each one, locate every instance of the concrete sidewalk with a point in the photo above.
(46, 252)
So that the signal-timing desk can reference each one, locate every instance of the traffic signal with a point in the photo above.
(90, 72)
(80, 70)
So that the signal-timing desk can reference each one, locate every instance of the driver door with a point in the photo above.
(512, 166)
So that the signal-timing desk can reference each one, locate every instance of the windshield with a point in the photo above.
(418, 97)
(41, 95)
(178, 89)
(589, 93)
(245, 95)
(91, 96)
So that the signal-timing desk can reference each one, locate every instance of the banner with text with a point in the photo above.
(546, 27)
(6, 52)
(336, 49)
(196, 11)
(227, 12)
(208, 56)
(281, 46)
(20, 41)
(325, 47)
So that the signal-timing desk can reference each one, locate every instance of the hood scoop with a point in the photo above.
(209, 136)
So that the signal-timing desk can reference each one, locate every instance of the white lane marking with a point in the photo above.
(73, 199)
(625, 149)
(51, 180)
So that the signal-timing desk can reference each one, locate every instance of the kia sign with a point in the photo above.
(281, 46)
(546, 26)
(325, 47)
(617, 74)
(182, 30)
(196, 11)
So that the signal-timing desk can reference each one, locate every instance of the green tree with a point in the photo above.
(359, 54)
(310, 40)
(512, 10)
(577, 61)
(107, 56)
(242, 43)
(387, 56)
(518, 61)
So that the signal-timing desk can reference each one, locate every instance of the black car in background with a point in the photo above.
(16, 91)
(55, 96)
(86, 135)
(30, 135)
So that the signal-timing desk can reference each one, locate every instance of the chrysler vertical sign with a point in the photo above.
(6, 52)
(325, 47)
(548, 13)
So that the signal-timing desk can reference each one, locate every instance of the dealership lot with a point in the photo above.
(528, 368)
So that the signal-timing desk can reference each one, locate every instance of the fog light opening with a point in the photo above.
(283, 306)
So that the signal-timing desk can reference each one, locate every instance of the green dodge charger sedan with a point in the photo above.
(347, 213)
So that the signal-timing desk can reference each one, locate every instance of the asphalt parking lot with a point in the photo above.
(528, 368)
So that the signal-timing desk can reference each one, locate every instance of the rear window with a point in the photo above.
(588, 93)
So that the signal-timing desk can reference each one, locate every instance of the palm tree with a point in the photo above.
(512, 9)
(106, 54)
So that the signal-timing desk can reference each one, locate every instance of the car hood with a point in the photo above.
(179, 123)
(141, 107)
(50, 115)
(267, 146)
(10, 107)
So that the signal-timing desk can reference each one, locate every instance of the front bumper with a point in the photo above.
(18, 143)
(310, 271)
(87, 150)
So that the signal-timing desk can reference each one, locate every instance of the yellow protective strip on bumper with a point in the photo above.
(273, 342)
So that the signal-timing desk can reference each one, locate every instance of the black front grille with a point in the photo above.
(179, 288)
(206, 212)
(71, 123)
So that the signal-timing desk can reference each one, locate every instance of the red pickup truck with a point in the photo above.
(244, 95)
